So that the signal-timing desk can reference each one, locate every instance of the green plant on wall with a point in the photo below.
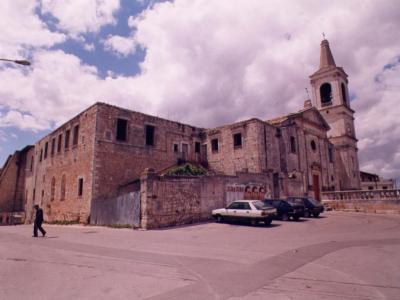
(186, 170)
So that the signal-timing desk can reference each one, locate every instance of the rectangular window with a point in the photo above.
(122, 126)
(197, 147)
(292, 144)
(175, 148)
(46, 147)
(59, 143)
(150, 135)
(41, 155)
(80, 187)
(237, 140)
(53, 146)
(214, 145)
(330, 154)
(32, 160)
(76, 135)
(66, 140)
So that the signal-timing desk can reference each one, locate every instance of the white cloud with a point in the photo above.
(83, 16)
(122, 46)
(89, 47)
(21, 29)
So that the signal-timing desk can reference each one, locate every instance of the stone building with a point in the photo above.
(106, 152)
(371, 182)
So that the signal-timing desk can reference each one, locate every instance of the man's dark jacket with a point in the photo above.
(39, 216)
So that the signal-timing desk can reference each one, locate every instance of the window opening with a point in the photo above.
(122, 126)
(214, 145)
(150, 135)
(237, 140)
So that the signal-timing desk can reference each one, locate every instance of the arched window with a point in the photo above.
(62, 195)
(326, 94)
(344, 97)
(52, 189)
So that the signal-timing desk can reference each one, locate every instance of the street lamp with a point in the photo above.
(16, 61)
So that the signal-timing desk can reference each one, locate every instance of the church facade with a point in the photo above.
(105, 148)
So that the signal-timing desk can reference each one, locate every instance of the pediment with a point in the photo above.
(312, 115)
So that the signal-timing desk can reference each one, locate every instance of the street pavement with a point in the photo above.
(337, 256)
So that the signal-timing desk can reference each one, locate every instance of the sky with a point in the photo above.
(201, 62)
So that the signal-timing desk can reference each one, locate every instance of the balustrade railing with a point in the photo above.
(362, 195)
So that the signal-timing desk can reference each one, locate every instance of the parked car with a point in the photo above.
(312, 207)
(252, 211)
(286, 210)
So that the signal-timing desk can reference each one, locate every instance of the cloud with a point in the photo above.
(22, 29)
(212, 62)
(83, 16)
(122, 46)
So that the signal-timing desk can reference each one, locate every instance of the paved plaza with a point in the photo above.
(338, 256)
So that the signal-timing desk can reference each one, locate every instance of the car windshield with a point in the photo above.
(260, 205)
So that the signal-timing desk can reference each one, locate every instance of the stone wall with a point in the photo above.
(119, 162)
(171, 200)
(8, 178)
(57, 171)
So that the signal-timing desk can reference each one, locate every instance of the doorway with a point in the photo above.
(317, 193)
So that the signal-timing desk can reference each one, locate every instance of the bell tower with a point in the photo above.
(331, 97)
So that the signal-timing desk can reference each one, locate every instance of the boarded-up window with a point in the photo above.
(122, 129)
(150, 135)
(214, 145)
(62, 192)
(76, 135)
(52, 189)
(237, 140)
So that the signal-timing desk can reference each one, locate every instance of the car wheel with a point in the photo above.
(219, 218)
(316, 215)
(306, 214)
(285, 217)
(296, 218)
(268, 222)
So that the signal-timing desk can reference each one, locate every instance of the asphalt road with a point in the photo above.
(338, 256)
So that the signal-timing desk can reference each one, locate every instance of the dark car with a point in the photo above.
(312, 207)
(286, 210)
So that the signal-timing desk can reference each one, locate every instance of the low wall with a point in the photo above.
(176, 200)
(12, 218)
(375, 201)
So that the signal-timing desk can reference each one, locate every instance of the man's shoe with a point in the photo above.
(34, 236)
(44, 234)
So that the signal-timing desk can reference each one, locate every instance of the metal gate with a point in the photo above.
(234, 192)
(136, 209)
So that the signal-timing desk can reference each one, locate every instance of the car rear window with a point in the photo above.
(294, 201)
(313, 201)
(259, 205)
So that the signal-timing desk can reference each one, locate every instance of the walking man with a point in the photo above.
(38, 222)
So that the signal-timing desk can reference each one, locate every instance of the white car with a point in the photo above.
(253, 211)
